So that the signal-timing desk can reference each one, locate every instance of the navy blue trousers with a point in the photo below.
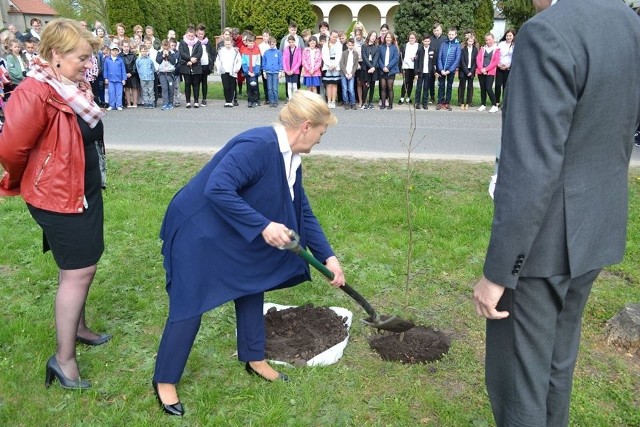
(177, 339)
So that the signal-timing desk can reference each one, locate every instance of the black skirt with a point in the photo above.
(132, 82)
(77, 240)
(362, 74)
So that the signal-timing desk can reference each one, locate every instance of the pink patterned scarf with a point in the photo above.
(190, 43)
(78, 96)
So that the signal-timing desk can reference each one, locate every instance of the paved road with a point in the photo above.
(468, 135)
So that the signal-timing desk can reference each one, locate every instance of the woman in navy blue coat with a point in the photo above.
(388, 61)
(221, 235)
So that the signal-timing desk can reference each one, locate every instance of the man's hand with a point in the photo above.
(486, 295)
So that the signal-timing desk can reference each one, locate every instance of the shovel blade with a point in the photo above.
(389, 323)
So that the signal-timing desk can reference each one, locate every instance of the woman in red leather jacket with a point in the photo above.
(52, 153)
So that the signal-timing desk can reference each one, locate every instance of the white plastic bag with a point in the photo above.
(329, 356)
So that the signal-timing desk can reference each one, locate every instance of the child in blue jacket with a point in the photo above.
(147, 73)
(448, 61)
(272, 66)
(114, 76)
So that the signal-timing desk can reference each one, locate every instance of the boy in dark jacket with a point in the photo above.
(167, 60)
(425, 68)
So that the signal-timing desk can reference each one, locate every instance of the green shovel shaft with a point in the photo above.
(317, 264)
(348, 289)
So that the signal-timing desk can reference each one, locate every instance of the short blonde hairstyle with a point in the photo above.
(305, 105)
(64, 35)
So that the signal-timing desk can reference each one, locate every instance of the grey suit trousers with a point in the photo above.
(531, 355)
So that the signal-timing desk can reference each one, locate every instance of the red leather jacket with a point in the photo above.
(41, 149)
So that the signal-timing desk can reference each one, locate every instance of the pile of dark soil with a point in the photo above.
(297, 334)
(417, 345)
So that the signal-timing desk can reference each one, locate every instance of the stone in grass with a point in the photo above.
(623, 329)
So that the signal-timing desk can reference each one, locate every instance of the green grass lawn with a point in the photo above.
(361, 206)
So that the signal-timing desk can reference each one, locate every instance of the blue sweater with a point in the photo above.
(449, 55)
(114, 69)
(272, 61)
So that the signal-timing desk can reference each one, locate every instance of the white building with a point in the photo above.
(372, 14)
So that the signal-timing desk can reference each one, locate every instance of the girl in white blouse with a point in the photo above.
(504, 65)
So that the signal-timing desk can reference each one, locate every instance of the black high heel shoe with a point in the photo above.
(98, 341)
(251, 371)
(175, 409)
(53, 371)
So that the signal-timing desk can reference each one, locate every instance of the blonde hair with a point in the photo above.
(305, 105)
(64, 35)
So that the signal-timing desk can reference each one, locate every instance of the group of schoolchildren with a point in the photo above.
(151, 69)
(147, 74)
(441, 57)
(345, 70)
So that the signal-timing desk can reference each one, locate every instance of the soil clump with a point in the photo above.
(297, 334)
(417, 345)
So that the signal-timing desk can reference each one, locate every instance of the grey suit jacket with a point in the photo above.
(572, 104)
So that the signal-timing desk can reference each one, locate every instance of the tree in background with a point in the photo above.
(420, 15)
(483, 17)
(126, 12)
(65, 8)
(274, 15)
(516, 12)
(87, 10)
(162, 15)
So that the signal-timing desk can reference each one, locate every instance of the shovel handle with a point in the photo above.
(329, 275)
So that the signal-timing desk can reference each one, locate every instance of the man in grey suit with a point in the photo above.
(572, 106)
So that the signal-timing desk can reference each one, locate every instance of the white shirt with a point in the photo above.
(291, 161)
(349, 66)
(153, 54)
(506, 52)
(204, 59)
(410, 52)
(264, 46)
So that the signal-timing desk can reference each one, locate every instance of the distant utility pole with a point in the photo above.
(223, 15)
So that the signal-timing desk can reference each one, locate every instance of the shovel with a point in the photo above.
(387, 323)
